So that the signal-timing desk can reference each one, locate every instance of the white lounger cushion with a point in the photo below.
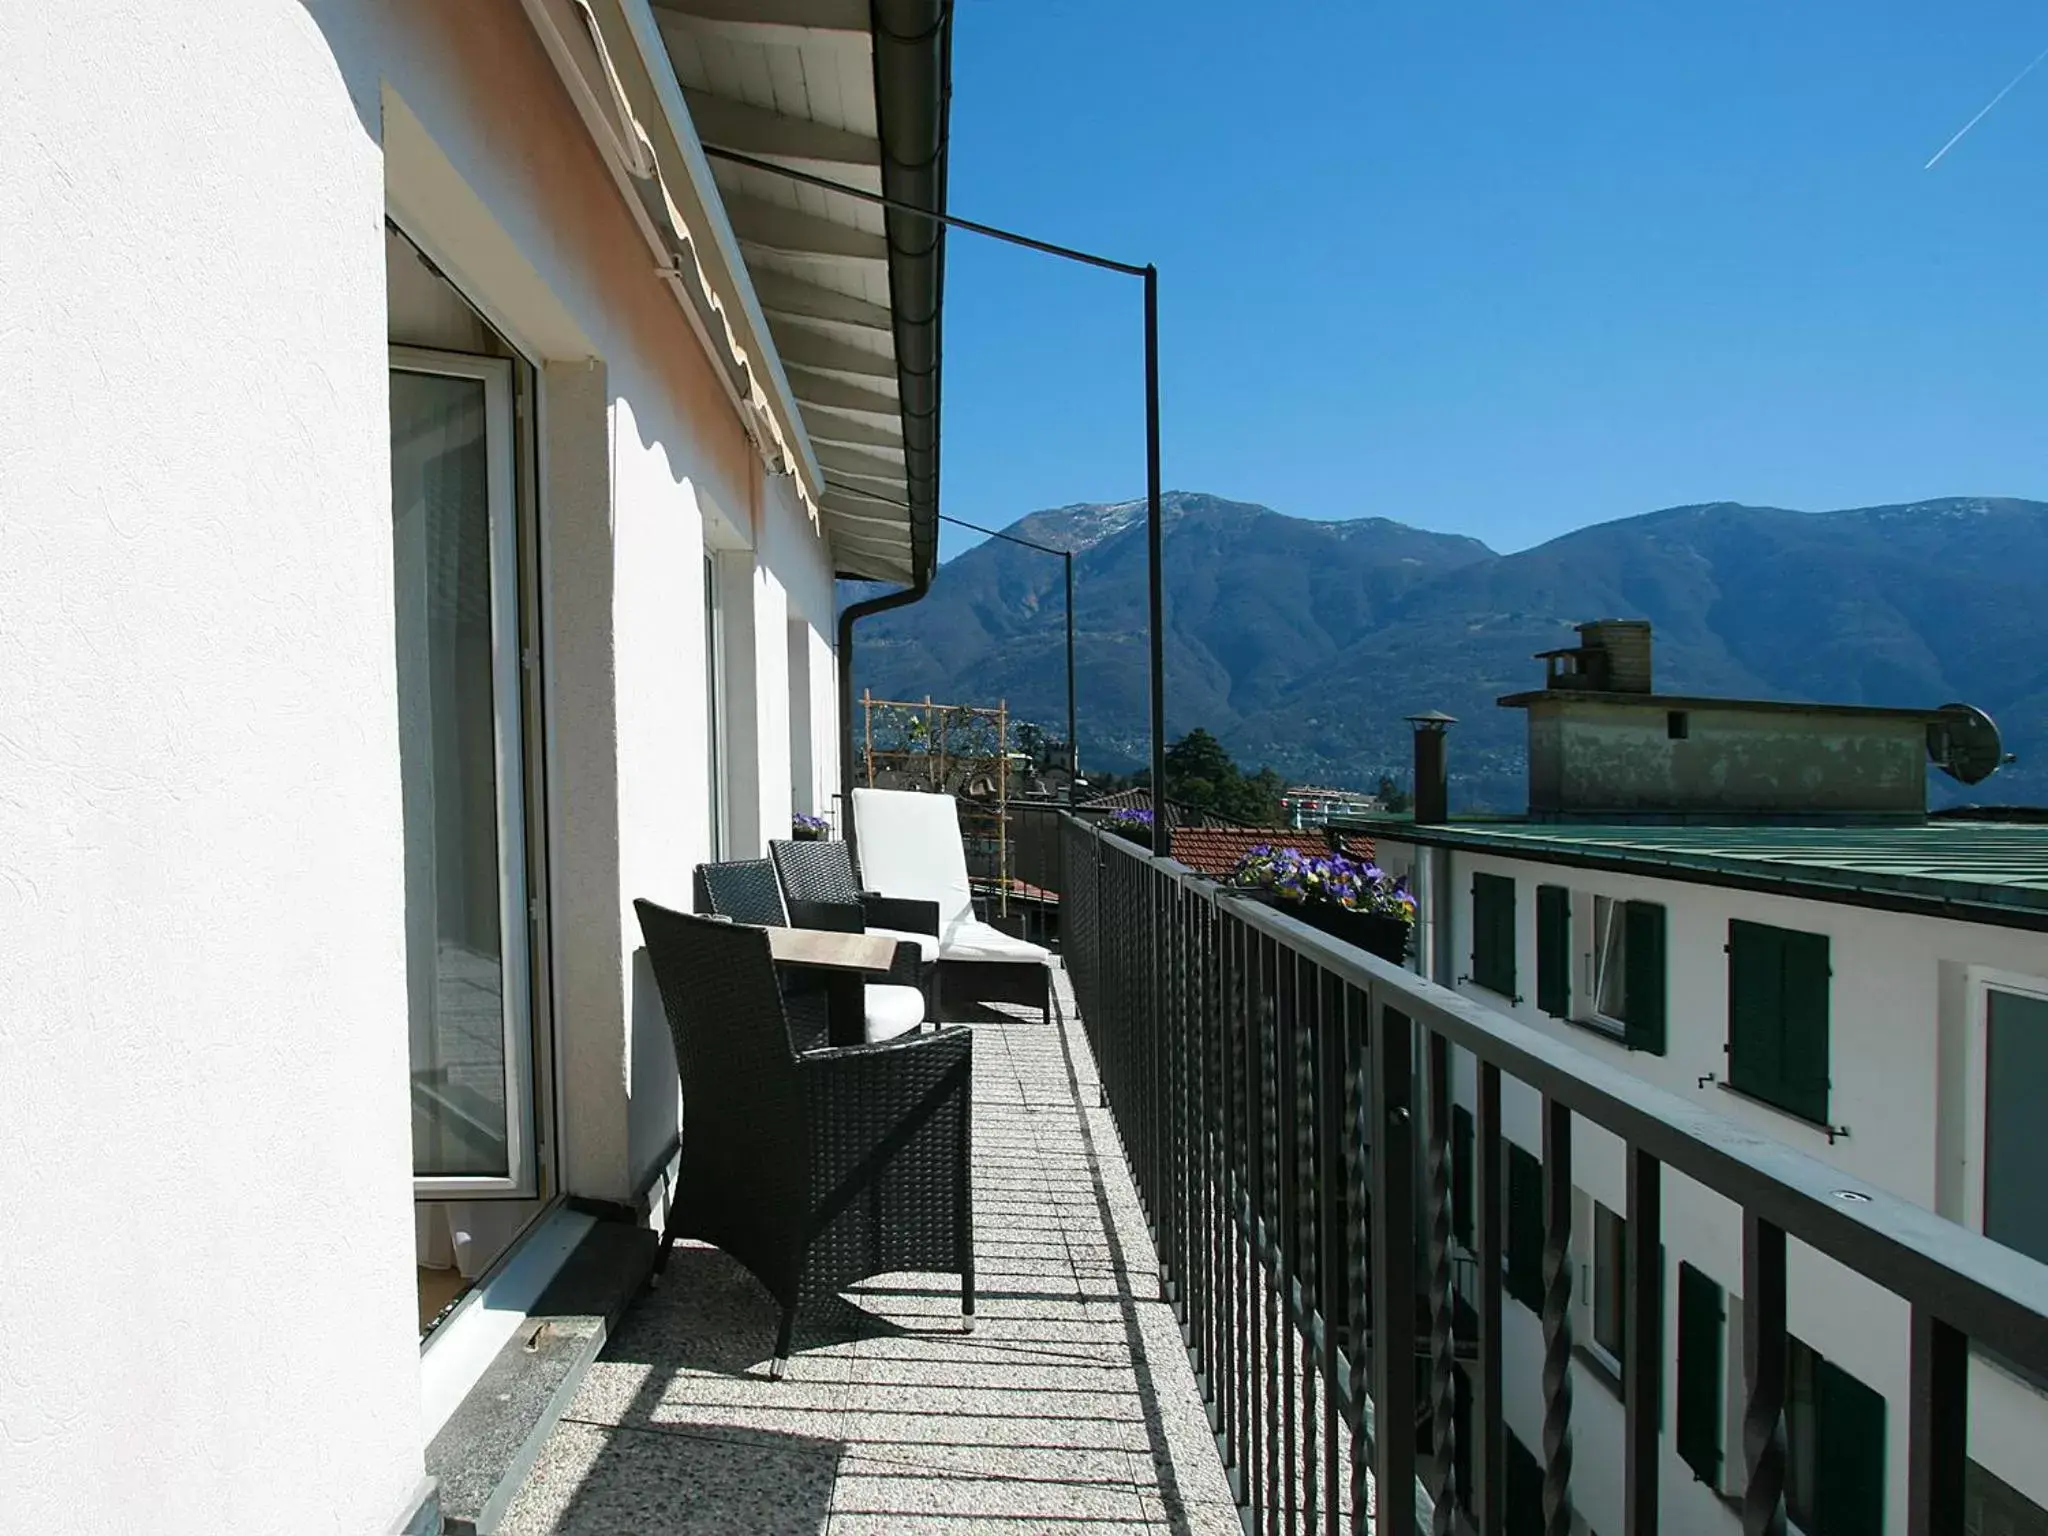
(893, 1011)
(927, 945)
(910, 846)
(974, 940)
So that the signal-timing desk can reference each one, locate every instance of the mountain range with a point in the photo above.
(1303, 643)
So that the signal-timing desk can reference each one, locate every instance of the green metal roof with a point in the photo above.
(1980, 870)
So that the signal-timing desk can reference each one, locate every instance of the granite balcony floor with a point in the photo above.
(1069, 1408)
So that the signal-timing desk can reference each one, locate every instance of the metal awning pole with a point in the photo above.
(1162, 838)
(1073, 738)
(1162, 833)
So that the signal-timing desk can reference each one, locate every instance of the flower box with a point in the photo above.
(1359, 903)
(1374, 932)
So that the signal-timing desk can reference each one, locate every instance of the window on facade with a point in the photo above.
(1622, 979)
(1463, 1141)
(2015, 1152)
(714, 705)
(1778, 1017)
(1610, 958)
(1702, 1316)
(803, 787)
(1993, 1507)
(455, 593)
(1610, 1284)
(1493, 933)
(1554, 950)
(1834, 1445)
(1524, 1224)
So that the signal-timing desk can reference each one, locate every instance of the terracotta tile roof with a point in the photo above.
(1215, 851)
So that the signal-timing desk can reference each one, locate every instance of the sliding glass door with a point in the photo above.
(468, 960)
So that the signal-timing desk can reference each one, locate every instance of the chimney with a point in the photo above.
(1432, 778)
(1625, 645)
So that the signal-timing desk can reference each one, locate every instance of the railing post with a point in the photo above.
(1939, 1427)
(1557, 1319)
(1764, 1346)
(1643, 1343)
(1330, 1187)
(1443, 1306)
(1490, 1454)
(1358, 1123)
(1393, 1272)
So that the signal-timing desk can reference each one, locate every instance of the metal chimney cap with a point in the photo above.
(1431, 720)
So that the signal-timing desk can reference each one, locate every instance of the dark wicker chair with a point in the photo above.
(747, 891)
(813, 1169)
(819, 885)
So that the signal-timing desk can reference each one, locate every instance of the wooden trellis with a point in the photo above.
(949, 749)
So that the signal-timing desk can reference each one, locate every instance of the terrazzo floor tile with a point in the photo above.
(1069, 1407)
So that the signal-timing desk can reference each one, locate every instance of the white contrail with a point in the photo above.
(1994, 101)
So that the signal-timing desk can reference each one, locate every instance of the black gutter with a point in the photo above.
(902, 598)
(913, 47)
(913, 43)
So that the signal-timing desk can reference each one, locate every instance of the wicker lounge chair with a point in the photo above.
(747, 891)
(813, 1169)
(910, 846)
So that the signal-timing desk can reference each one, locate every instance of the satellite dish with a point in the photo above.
(1963, 743)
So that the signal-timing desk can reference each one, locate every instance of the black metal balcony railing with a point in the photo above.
(1263, 1079)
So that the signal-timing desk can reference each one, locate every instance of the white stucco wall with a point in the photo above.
(201, 897)
(205, 1158)
(1901, 1034)
(493, 171)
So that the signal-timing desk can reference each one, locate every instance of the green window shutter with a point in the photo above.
(1848, 1454)
(1643, 940)
(1463, 1144)
(1778, 1017)
(1701, 1315)
(1756, 971)
(1805, 1055)
(1493, 933)
(1554, 950)
(1525, 1228)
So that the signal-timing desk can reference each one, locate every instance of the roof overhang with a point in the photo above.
(823, 308)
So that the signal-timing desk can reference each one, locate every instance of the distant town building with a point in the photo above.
(1312, 805)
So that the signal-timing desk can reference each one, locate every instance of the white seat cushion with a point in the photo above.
(927, 944)
(972, 939)
(910, 846)
(893, 1011)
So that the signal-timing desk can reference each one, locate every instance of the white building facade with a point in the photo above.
(1868, 1041)
(419, 543)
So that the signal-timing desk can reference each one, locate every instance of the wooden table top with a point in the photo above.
(827, 950)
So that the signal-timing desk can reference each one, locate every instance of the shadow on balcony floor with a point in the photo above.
(1070, 1408)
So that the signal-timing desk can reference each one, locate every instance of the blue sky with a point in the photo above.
(1498, 268)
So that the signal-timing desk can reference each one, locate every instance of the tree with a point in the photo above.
(1392, 796)
(1201, 774)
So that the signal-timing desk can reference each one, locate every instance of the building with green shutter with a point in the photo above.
(1825, 963)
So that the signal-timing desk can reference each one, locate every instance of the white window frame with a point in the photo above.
(521, 1181)
(1594, 1346)
(1585, 938)
(1982, 981)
